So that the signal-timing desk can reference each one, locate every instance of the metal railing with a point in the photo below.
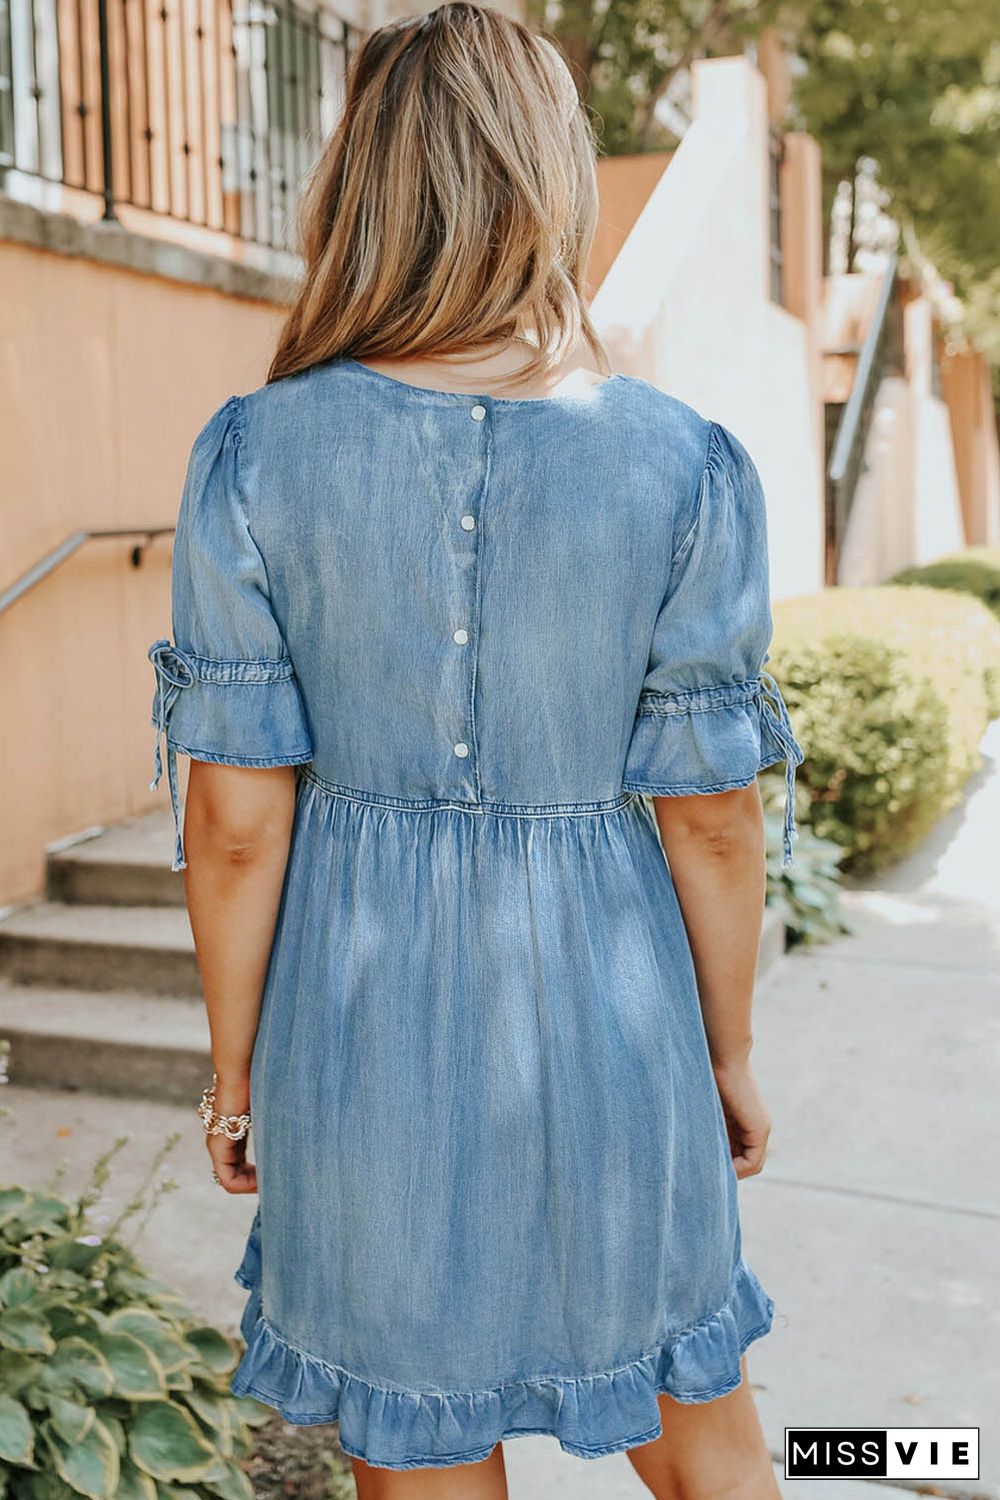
(847, 440)
(775, 163)
(71, 544)
(206, 111)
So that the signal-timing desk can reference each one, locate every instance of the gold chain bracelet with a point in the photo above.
(233, 1127)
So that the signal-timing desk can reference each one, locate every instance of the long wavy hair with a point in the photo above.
(454, 206)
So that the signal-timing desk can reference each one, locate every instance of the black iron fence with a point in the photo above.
(206, 111)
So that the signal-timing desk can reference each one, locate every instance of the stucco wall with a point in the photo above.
(966, 388)
(105, 377)
(687, 306)
(624, 184)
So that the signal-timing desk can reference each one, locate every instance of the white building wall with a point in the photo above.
(907, 507)
(687, 306)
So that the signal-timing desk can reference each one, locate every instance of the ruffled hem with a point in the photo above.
(590, 1416)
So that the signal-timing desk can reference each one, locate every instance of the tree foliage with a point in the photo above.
(914, 84)
(626, 55)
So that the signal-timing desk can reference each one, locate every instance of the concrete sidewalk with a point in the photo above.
(875, 1225)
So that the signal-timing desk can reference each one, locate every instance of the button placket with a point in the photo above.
(468, 521)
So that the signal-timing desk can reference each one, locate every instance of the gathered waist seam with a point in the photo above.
(484, 807)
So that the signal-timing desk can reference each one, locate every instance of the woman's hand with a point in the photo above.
(229, 1158)
(747, 1121)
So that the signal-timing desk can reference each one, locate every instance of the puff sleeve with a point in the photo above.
(225, 689)
(709, 718)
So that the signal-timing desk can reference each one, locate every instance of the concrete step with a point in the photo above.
(148, 949)
(127, 864)
(126, 1045)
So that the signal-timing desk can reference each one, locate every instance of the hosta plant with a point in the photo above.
(806, 895)
(109, 1386)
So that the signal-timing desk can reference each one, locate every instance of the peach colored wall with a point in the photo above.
(965, 385)
(802, 258)
(624, 184)
(105, 377)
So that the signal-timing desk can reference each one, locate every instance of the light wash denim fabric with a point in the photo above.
(496, 1194)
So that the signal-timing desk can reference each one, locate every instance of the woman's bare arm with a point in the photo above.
(237, 828)
(715, 849)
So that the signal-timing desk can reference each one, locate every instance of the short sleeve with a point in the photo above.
(225, 689)
(709, 717)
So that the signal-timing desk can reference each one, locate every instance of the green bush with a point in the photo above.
(975, 571)
(109, 1387)
(888, 692)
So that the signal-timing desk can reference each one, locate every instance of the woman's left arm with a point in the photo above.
(237, 829)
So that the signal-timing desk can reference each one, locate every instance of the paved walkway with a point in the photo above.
(876, 1223)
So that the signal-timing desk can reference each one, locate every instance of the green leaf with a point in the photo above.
(12, 1200)
(25, 1331)
(44, 1487)
(133, 1484)
(17, 1443)
(253, 1413)
(91, 1466)
(41, 1211)
(168, 1347)
(68, 1254)
(115, 1425)
(67, 1320)
(17, 1371)
(78, 1363)
(234, 1486)
(71, 1420)
(214, 1411)
(213, 1349)
(133, 1286)
(17, 1285)
(176, 1492)
(138, 1374)
(166, 1442)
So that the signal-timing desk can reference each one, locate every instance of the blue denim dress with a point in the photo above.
(496, 1193)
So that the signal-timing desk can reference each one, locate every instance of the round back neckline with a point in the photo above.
(477, 396)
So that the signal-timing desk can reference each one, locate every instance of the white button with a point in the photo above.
(478, 413)
(460, 637)
(461, 749)
(468, 523)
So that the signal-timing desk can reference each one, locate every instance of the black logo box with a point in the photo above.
(863, 1452)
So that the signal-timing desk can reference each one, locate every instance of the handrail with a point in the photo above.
(848, 449)
(71, 544)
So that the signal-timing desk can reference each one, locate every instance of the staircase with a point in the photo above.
(99, 988)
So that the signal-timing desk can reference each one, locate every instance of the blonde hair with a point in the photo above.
(454, 205)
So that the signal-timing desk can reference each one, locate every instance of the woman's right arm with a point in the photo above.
(715, 849)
